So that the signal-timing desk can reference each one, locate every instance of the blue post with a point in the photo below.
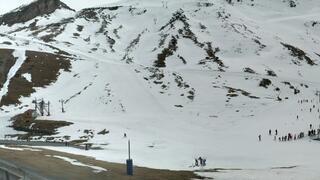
(129, 162)
(129, 167)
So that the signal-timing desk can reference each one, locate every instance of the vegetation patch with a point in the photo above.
(27, 122)
(6, 62)
(271, 73)
(166, 52)
(52, 30)
(249, 70)
(44, 69)
(212, 57)
(233, 92)
(300, 54)
(29, 12)
(265, 83)
(295, 90)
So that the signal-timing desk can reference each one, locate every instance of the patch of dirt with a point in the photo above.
(295, 90)
(300, 54)
(271, 73)
(29, 12)
(265, 83)
(249, 70)
(104, 132)
(52, 30)
(46, 165)
(285, 167)
(232, 92)
(27, 122)
(130, 48)
(166, 52)
(212, 57)
(137, 11)
(93, 14)
(7, 60)
(44, 69)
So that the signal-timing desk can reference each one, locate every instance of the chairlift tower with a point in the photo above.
(62, 105)
(42, 107)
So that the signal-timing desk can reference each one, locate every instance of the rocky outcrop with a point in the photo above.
(29, 12)
(44, 69)
(27, 122)
(6, 62)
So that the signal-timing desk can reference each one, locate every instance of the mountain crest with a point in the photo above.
(32, 10)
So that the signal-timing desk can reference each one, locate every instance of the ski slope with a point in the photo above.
(195, 105)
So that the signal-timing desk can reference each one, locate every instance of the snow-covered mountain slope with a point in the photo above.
(77, 5)
(182, 78)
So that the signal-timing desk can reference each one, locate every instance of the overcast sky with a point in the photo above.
(8, 5)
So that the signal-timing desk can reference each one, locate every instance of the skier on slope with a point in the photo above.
(200, 160)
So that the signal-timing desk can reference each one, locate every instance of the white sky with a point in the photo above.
(8, 5)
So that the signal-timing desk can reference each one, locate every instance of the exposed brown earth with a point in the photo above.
(46, 165)
(44, 69)
(27, 122)
(36, 8)
(6, 62)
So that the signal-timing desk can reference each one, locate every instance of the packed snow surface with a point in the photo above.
(96, 169)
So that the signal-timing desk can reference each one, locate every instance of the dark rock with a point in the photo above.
(29, 12)
(249, 70)
(300, 54)
(104, 132)
(27, 122)
(265, 83)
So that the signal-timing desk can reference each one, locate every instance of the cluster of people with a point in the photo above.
(312, 132)
(295, 136)
(307, 101)
(200, 162)
(303, 101)
(276, 132)
(291, 137)
(287, 137)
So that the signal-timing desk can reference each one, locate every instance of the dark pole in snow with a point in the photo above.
(62, 108)
(48, 108)
(42, 107)
(129, 149)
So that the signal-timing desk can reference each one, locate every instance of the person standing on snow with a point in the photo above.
(259, 137)
(204, 162)
(196, 162)
(201, 161)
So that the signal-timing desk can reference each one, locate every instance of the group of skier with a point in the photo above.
(200, 162)
(290, 136)
(313, 132)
